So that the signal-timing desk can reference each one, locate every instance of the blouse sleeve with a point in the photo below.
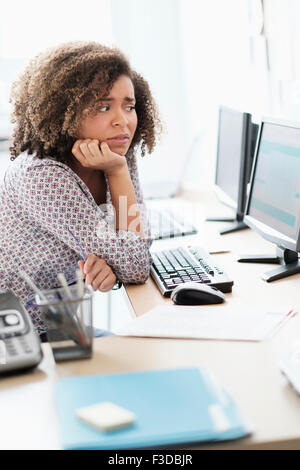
(52, 198)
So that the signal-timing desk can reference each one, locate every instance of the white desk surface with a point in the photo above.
(249, 371)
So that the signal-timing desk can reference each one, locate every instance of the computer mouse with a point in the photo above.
(194, 293)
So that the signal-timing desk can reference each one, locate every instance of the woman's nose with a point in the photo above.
(120, 118)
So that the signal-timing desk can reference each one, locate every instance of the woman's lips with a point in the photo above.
(119, 140)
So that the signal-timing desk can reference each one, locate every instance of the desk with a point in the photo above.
(248, 371)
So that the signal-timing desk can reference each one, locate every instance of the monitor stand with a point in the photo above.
(287, 258)
(238, 223)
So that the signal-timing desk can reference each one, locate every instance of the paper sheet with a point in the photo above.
(203, 322)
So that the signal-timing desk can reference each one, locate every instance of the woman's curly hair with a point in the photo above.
(61, 86)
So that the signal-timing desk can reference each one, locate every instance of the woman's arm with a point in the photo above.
(124, 200)
(50, 196)
(97, 156)
(134, 174)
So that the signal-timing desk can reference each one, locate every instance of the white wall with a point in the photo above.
(31, 26)
(149, 33)
(196, 55)
(244, 54)
(283, 34)
(220, 71)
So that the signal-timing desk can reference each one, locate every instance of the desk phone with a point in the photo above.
(20, 347)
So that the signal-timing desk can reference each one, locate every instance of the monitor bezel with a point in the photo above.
(270, 234)
(245, 164)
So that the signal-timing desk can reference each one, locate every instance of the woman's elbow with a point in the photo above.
(136, 276)
(143, 275)
(136, 271)
(134, 265)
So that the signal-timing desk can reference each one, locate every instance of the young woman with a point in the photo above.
(73, 197)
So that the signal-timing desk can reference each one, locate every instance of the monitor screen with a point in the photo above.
(275, 188)
(230, 152)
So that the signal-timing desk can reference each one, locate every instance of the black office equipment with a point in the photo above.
(236, 144)
(195, 293)
(175, 266)
(20, 346)
(273, 206)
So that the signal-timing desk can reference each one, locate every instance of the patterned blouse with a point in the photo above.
(49, 218)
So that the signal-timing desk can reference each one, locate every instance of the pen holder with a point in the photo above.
(69, 322)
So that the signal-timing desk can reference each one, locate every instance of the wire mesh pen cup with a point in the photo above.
(69, 322)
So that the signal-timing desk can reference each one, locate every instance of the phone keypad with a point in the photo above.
(10, 347)
(26, 348)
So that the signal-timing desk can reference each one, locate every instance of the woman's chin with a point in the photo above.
(119, 149)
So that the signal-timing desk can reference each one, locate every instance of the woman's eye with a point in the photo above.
(102, 109)
(131, 108)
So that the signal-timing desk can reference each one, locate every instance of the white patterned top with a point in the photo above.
(49, 217)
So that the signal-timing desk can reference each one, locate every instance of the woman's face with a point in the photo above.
(115, 119)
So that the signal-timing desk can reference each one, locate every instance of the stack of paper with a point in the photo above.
(174, 406)
(204, 322)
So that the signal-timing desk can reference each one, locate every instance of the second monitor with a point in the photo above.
(236, 144)
(273, 207)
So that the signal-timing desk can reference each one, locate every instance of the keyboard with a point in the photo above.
(185, 264)
(168, 223)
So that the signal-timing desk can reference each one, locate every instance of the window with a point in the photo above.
(29, 27)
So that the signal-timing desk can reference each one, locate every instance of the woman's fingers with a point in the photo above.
(94, 267)
(90, 150)
(84, 149)
(87, 151)
(102, 275)
(97, 273)
(105, 149)
(92, 153)
(91, 259)
(108, 283)
(76, 151)
(94, 149)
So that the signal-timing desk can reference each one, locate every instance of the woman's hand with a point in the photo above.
(97, 273)
(98, 156)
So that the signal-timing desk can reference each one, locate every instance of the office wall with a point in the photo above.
(244, 54)
(196, 55)
(149, 32)
(31, 26)
(281, 18)
(221, 70)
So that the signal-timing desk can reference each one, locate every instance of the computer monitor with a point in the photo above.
(273, 206)
(235, 150)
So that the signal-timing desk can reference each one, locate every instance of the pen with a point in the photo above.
(282, 322)
(80, 292)
(30, 282)
(78, 244)
(67, 291)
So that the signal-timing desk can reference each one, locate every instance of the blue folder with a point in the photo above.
(174, 406)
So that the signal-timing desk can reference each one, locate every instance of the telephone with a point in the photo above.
(20, 346)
